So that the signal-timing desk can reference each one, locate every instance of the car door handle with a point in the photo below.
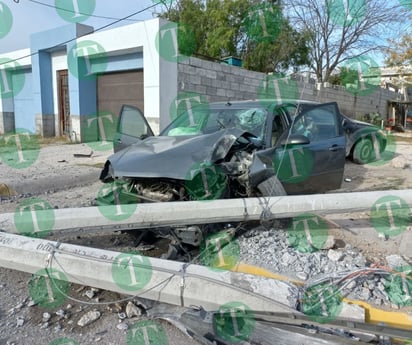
(334, 148)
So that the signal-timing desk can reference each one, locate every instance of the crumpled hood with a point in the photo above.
(172, 157)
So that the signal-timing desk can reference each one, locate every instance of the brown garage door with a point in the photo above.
(115, 89)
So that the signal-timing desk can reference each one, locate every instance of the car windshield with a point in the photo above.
(203, 120)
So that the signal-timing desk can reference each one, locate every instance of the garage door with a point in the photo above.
(114, 90)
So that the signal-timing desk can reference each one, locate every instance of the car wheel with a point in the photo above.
(363, 151)
(273, 187)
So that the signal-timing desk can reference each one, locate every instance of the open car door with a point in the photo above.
(311, 154)
(132, 126)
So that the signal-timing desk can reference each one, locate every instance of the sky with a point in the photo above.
(30, 16)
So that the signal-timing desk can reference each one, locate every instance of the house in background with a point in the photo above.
(72, 81)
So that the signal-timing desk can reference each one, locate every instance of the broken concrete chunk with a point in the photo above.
(335, 255)
(352, 312)
(20, 322)
(395, 261)
(122, 326)
(89, 318)
(400, 162)
(132, 310)
(89, 294)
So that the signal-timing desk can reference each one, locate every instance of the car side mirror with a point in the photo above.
(295, 139)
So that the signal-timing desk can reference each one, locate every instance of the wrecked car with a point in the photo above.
(232, 149)
(365, 142)
(227, 150)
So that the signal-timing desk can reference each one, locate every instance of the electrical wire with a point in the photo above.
(83, 14)
(75, 38)
(182, 273)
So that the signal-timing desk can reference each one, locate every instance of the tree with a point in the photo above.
(399, 52)
(289, 51)
(255, 31)
(343, 29)
(399, 57)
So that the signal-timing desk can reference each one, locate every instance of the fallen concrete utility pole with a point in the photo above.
(124, 217)
(160, 280)
(146, 215)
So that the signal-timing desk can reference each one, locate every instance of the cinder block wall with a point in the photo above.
(222, 82)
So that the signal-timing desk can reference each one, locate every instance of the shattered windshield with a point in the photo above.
(202, 120)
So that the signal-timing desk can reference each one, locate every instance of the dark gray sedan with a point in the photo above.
(232, 149)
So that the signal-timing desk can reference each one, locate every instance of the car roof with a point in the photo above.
(258, 103)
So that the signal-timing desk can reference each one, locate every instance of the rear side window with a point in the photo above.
(132, 122)
(317, 123)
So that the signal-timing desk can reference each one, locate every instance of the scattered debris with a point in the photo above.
(400, 162)
(83, 155)
(89, 318)
(91, 293)
(335, 255)
(395, 261)
(46, 317)
(132, 310)
(6, 191)
(122, 326)
(20, 321)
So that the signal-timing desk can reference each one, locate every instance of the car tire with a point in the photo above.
(273, 187)
(363, 151)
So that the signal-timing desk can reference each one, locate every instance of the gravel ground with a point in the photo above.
(66, 180)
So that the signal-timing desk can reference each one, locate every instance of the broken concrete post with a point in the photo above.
(143, 216)
(161, 280)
